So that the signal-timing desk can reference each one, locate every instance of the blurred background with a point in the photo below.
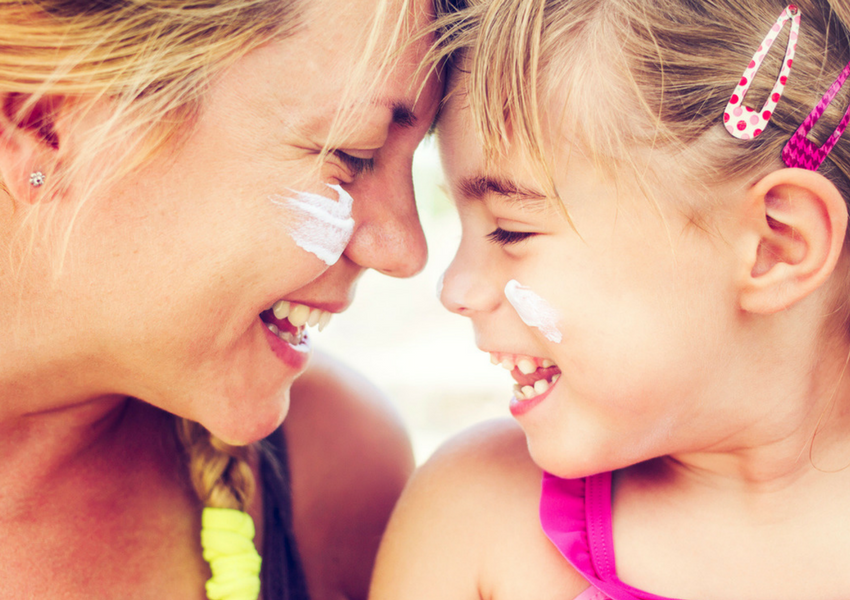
(399, 335)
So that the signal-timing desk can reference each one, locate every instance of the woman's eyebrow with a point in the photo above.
(403, 113)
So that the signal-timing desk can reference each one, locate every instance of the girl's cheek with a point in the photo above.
(534, 310)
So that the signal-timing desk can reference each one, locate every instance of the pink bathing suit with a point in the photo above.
(576, 517)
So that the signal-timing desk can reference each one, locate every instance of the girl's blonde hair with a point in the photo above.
(628, 75)
(152, 61)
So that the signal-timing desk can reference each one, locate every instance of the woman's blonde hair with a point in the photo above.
(626, 75)
(153, 61)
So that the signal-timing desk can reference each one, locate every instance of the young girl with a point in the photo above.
(654, 236)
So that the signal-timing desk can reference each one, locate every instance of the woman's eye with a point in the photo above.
(356, 164)
(503, 237)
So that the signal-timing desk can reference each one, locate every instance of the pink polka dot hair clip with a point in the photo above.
(742, 121)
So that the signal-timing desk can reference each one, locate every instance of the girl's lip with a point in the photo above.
(521, 407)
(295, 357)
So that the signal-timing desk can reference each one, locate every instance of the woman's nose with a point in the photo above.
(387, 234)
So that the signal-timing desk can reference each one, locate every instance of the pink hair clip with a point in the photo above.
(800, 151)
(742, 121)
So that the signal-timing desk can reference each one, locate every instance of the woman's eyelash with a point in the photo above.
(503, 237)
(357, 164)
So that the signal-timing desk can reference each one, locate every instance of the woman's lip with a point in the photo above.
(295, 357)
(521, 407)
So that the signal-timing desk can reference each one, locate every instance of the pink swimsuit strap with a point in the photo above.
(576, 517)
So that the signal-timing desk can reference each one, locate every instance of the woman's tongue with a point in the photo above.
(267, 316)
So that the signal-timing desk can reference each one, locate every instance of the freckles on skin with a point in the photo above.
(534, 310)
(322, 226)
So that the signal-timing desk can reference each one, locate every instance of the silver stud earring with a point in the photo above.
(37, 179)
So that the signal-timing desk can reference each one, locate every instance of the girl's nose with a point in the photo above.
(468, 287)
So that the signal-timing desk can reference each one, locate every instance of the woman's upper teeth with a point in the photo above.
(300, 315)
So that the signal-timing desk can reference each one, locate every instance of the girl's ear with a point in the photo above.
(28, 142)
(796, 225)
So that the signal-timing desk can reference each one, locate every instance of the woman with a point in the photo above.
(186, 185)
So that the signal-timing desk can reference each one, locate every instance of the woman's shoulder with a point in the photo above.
(471, 514)
(350, 458)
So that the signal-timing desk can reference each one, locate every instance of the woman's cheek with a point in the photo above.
(320, 225)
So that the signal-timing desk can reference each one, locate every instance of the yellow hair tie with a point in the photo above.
(227, 536)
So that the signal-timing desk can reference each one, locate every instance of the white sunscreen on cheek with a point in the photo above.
(534, 310)
(322, 226)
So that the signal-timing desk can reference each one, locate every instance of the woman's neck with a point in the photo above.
(41, 448)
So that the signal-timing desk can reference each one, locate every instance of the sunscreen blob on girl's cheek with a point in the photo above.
(322, 226)
(534, 310)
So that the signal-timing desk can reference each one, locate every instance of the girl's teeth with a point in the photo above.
(526, 367)
(547, 363)
(494, 359)
(313, 319)
(527, 392)
(281, 309)
(273, 328)
(299, 314)
(508, 364)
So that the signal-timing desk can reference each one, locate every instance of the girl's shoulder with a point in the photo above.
(470, 514)
(349, 459)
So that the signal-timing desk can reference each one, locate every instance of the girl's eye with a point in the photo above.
(356, 164)
(503, 237)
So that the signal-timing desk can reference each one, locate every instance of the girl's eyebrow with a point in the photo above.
(478, 186)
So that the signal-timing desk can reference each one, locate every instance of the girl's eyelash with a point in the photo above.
(503, 237)
(355, 163)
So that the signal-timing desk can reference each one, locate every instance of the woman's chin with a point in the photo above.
(246, 423)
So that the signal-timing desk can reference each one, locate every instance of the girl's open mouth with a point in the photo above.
(533, 375)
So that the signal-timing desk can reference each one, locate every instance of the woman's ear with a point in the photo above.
(28, 142)
(796, 225)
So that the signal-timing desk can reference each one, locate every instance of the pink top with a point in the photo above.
(576, 517)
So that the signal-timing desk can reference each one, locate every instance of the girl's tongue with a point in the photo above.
(546, 373)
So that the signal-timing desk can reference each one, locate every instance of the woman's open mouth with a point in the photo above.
(289, 320)
(287, 323)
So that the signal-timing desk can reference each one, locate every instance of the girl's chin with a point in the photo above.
(567, 463)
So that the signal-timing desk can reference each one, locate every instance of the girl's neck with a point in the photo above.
(792, 421)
